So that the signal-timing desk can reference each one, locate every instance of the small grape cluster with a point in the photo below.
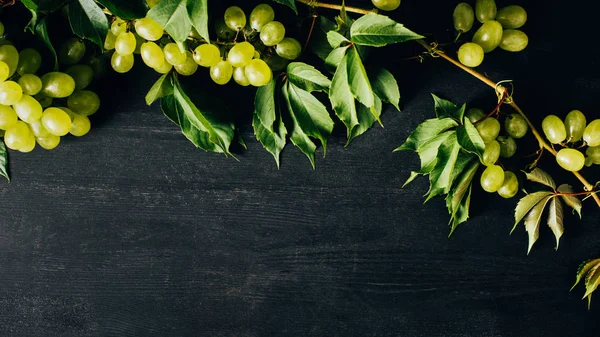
(40, 110)
(499, 29)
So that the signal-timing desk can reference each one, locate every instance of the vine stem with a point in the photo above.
(542, 142)
(356, 10)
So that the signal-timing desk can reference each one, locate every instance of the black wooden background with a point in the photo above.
(131, 231)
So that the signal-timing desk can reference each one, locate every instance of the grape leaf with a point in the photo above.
(428, 155)
(88, 21)
(342, 100)
(198, 13)
(334, 59)
(446, 109)
(41, 31)
(161, 88)
(297, 135)
(592, 281)
(469, 139)
(264, 105)
(426, 131)
(462, 213)
(360, 86)
(440, 176)
(540, 176)
(583, 269)
(33, 8)
(555, 219)
(272, 141)
(4, 161)
(290, 3)
(386, 87)
(571, 201)
(532, 221)
(272, 138)
(318, 42)
(307, 77)
(365, 119)
(336, 39)
(526, 204)
(464, 172)
(50, 5)
(173, 16)
(126, 9)
(379, 30)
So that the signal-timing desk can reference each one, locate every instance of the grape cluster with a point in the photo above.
(499, 29)
(41, 109)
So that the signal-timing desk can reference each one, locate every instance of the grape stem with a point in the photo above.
(356, 10)
(500, 90)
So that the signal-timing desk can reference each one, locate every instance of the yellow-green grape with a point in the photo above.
(510, 185)
(591, 134)
(121, 63)
(68, 111)
(72, 51)
(272, 33)
(512, 17)
(207, 55)
(241, 54)
(189, 67)
(592, 152)
(258, 73)
(30, 61)
(10, 92)
(554, 129)
(57, 85)
(44, 100)
(149, 29)
(485, 10)
(152, 3)
(109, 42)
(152, 55)
(10, 55)
(4, 71)
(173, 54)
(80, 126)
(289, 48)
(492, 178)
(463, 17)
(475, 115)
(82, 75)
(8, 117)
(489, 35)
(164, 68)
(491, 153)
(16, 136)
(223, 31)
(256, 54)
(516, 126)
(29, 144)
(386, 5)
(570, 159)
(125, 43)
(235, 18)
(575, 123)
(239, 76)
(84, 102)
(470, 54)
(49, 142)
(260, 16)
(488, 129)
(221, 72)
(118, 26)
(56, 121)
(1, 29)
(513, 40)
(38, 129)
(28, 109)
(30, 84)
(508, 146)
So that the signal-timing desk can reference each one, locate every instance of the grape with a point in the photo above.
(49, 142)
(474, 115)
(149, 29)
(289, 48)
(239, 76)
(593, 152)
(164, 68)
(272, 33)
(57, 85)
(8, 117)
(485, 10)
(99, 65)
(10, 92)
(258, 73)
(508, 146)
(488, 129)
(221, 72)
(1, 29)
(29, 144)
(207, 55)
(4, 71)
(10, 55)
(80, 126)
(189, 67)
(516, 126)
(510, 185)
(260, 16)
(463, 17)
(491, 153)
(56, 121)
(30, 61)
(118, 26)
(591, 134)
(173, 54)
(121, 63)
(492, 178)
(38, 129)
(44, 100)
(575, 124)
(109, 42)
(84, 102)
(235, 18)
(72, 51)
(570, 159)
(16, 136)
(241, 54)
(223, 31)
(82, 74)
(554, 129)
(512, 17)
(125, 43)
(30, 84)
(69, 112)
(152, 55)
(513, 40)
(28, 109)
(276, 62)
(386, 5)
(489, 35)
(589, 161)
(470, 54)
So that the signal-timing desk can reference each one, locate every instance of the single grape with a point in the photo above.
(189, 67)
(10, 92)
(118, 26)
(474, 115)
(125, 43)
(72, 51)
(29, 144)
(513, 40)
(10, 55)
(470, 54)
(489, 35)
(591, 134)
(223, 31)
(84, 102)
(575, 124)
(109, 42)
(485, 10)
(239, 76)
(49, 142)
(99, 65)
(260, 16)
(492, 178)
(241, 54)
(258, 73)
(173, 54)
(463, 17)
(508, 146)
(516, 126)
(275, 62)
(491, 153)
(1, 29)
(38, 129)
(272, 33)
(152, 55)
(30, 84)
(57, 85)
(593, 152)
(28, 109)
(121, 63)
(80, 126)
(44, 100)
(512, 17)
(207, 55)
(165, 68)
(221, 72)
(4, 71)
(235, 18)
(570, 159)
(30, 61)
(56, 121)
(488, 129)
(510, 185)
(149, 29)
(386, 5)
(8, 117)
(16, 136)
(82, 74)
(554, 129)
(289, 48)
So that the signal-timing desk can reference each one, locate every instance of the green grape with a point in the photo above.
(256, 54)
(386, 5)
(194, 34)
(28, 109)
(508, 146)
(470, 54)
(29, 144)
(49, 142)
(1, 29)
(512, 17)
(272, 33)
(491, 153)
(463, 17)
(489, 35)
(121, 63)
(474, 115)
(152, 55)
(258, 73)
(10, 92)
(149, 29)
(165, 68)
(239, 76)
(30, 84)
(289, 48)
(492, 178)
(554, 129)
(575, 124)
(510, 185)
(80, 126)
(69, 112)
(207, 55)
(56, 121)
(118, 26)
(516, 126)
(10, 55)
(241, 54)
(125, 43)
(109, 42)
(589, 161)
(570, 159)
(82, 75)
(57, 85)
(260, 16)
(152, 3)
(173, 54)
(221, 72)
(485, 10)
(592, 152)
(591, 134)
(38, 129)
(16, 136)
(30, 61)
(84, 102)
(4, 71)
(99, 65)
(513, 40)
(44, 100)
(276, 62)
(223, 31)
(235, 18)
(72, 51)
(8, 117)
(189, 67)
(488, 129)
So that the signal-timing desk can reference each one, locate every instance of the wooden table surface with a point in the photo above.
(131, 231)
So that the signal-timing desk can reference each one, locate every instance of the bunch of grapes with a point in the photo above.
(41, 109)
(499, 29)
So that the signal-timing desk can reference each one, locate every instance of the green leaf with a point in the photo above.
(318, 42)
(426, 131)
(539, 176)
(428, 155)
(440, 176)
(126, 9)
(272, 141)
(555, 219)
(592, 281)
(532, 221)
(359, 81)
(526, 204)
(4, 161)
(465, 169)
(33, 8)
(336, 39)
(198, 13)
(50, 5)
(264, 105)
(469, 139)
(385, 86)
(462, 213)
(290, 3)
(41, 31)
(379, 30)
(173, 16)
(88, 21)
(342, 100)
(444, 109)
(161, 88)
(583, 269)
(298, 137)
(365, 119)
(272, 137)
(571, 201)
(307, 77)
(334, 59)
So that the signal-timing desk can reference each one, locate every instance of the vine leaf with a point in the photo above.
(126, 9)
(198, 12)
(319, 44)
(526, 203)
(177, 17)
(428, 155)
(4, 161)
(458, 200)
(336, 39)
(366, 119)
(440, 176)
(533, 219)
(469, 139)
(298, 137)
(33, 8)
(426, 131)
(592, 281)
(307, 77)
(272, 136)
(342, 100)
(88, 21)
(571, 201)
(583, 269)
(41, 31)
(161, 88)
(555, 219)
(446, 109)
(50, 5)
(590, 271)
(290, 3)
(540, 176)
(378, 30)
(359, 81)
(386, 87)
